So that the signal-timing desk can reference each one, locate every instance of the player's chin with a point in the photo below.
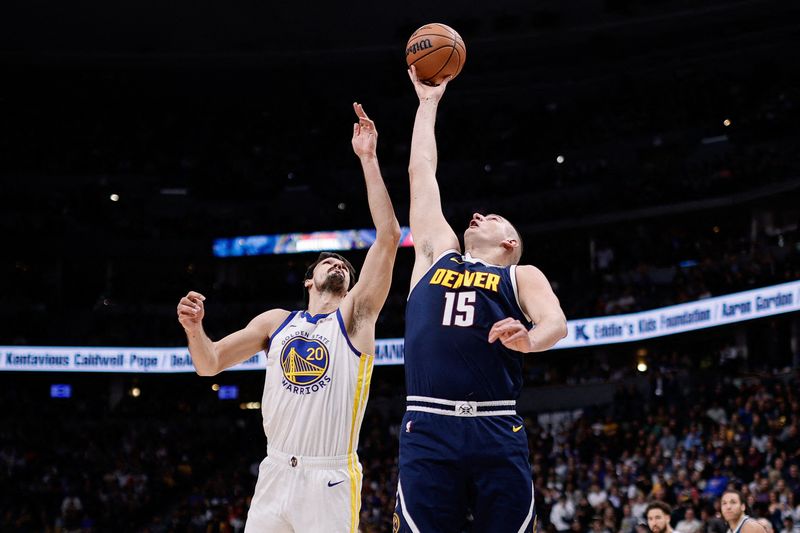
(334, 283)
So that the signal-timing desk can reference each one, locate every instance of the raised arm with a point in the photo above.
(211, 358)
(431, 232)
(538, 301)
(363, 303)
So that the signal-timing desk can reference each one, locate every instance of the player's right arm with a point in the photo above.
(210, 358)
(431, 232)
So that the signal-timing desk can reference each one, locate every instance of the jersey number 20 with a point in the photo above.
(459, 309)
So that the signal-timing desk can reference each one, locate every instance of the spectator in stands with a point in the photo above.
(562, 513)
(690, 523)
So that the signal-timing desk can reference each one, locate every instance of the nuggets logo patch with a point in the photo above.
(395, 523)
(304, 363)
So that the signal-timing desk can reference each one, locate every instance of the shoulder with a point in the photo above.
(751, 525)
(530, 274)
(270, 320)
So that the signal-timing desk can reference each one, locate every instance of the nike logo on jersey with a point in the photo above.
(458, 261)
(515, 428)
(334, 484)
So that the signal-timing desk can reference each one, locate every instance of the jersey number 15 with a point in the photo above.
(459, 309)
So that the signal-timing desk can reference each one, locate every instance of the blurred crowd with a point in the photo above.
(203, 153)
(176, 459)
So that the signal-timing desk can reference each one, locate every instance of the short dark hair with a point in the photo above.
(732, 491)
(326, 255)
(661, 506)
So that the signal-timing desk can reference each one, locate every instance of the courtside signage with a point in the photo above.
(718, 311)
(681, 318)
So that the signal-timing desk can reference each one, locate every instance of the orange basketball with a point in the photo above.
(436, 51)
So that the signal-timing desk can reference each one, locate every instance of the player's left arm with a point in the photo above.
(538, 301)
(363, 303)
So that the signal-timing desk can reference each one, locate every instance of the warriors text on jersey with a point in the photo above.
(316, 387)
(449, 314)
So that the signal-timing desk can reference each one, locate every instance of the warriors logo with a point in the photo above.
(395, 523)
(304, 361)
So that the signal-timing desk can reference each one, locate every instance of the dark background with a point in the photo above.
(217, 120)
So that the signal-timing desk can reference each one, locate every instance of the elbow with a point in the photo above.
(563, 331)
(206, 366)
(394, 232)
(206, 371)
(419, 166)
(390, 234)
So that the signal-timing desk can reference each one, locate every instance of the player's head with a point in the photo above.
(658, 516)
(487, 232)
(732, 505)
(330, 273)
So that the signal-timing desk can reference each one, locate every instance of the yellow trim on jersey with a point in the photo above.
(361, 411)
(355, 495)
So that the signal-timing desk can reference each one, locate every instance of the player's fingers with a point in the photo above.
(508, 329)
(503, 321)
(514, 328)
(494, 331)
(187, 302)
(192, 302)
(514, 338)
(187, 310)
(359, 109)
(193, 294)
(444, 82)
(356, 129)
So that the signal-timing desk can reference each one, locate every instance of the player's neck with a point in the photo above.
(323, 303)
(733, 524)
(488, 255)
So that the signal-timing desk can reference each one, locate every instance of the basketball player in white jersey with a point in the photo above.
(733, 510)
(318, 374)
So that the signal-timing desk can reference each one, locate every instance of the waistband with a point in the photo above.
(464, 408)
(310, 461)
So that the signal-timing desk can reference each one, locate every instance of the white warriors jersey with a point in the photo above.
(316, 387)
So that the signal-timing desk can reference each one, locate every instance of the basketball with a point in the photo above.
(436, 51)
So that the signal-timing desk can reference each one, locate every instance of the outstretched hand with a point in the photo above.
(512, 333)
(365, 135)
(425, 91)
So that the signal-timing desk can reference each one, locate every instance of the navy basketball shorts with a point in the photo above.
(463, 474)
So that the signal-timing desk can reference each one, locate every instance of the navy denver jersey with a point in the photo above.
(448, 317)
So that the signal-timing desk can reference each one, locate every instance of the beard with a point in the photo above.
(333, 283)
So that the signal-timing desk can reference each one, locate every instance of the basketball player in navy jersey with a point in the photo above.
(470, 320)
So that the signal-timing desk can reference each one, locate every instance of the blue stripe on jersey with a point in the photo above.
(344, 333)
(448, 317)
(283, 325)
